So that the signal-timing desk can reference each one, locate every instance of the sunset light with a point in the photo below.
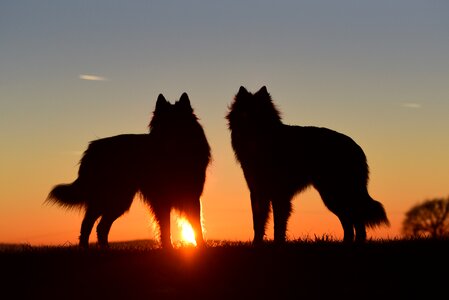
(187, 232)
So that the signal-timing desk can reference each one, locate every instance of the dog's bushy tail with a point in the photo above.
(374, 214)
(66, 195)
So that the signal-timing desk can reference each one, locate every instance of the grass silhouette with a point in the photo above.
(320, 268)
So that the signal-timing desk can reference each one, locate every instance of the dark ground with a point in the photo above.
(300, 270)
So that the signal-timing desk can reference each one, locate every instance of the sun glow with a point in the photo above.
(187, 232)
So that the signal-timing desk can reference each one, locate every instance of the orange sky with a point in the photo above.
(226, 207)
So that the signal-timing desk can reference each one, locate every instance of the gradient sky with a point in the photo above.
(74, 71)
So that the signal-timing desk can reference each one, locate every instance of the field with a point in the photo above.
(321, 269)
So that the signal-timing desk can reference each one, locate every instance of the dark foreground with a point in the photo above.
(300, 270)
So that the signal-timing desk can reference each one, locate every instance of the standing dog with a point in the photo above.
(279, 161)
(167, 166)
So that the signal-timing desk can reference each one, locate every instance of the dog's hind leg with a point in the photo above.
(260, 206)
(103, 228)
(90, 217)
(118, 203)
(348, 229)
(360, 232)
(281, 212)
(335, 202)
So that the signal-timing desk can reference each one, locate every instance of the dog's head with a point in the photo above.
(176, 134)
(249, 109)
(169, 116)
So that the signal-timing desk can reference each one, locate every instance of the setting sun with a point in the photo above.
(187, 232)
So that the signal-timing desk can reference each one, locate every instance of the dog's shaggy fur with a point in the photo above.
(279, 161)
(167, 166)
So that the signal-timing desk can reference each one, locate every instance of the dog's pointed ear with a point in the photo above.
(263, 91)
(263, 94)
(242, 91)
(184, 102)
(161, 104)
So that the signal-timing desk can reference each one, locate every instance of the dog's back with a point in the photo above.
(109, 167)
(115, 157)
(319, 154)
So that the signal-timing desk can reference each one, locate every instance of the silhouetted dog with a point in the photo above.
(279, 161)
(168, 167)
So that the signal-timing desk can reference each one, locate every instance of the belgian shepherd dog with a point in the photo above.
(279, 161)
(166, 167)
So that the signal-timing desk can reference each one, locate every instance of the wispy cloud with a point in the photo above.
(411, 105)
(92, 77)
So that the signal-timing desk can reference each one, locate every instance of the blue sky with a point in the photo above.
(375, 70)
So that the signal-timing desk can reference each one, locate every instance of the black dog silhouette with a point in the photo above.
(279, 161)
(167, 166)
